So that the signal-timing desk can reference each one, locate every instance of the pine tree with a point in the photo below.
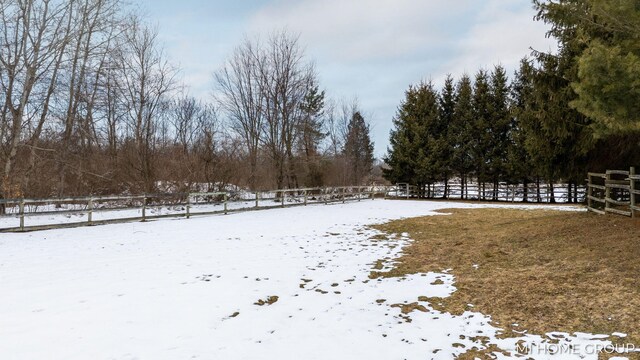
(481, 141)
(311, 130)
(520, 167)
(444, 145)
(561, 138)
(414, 156)
(598, 62)
(401, 155)
(358, 149)
(498, 128)
(461, 132)
(428, 138)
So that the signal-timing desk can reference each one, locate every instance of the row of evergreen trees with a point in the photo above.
(493, 130)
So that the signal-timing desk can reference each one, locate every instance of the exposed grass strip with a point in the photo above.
(542, 270)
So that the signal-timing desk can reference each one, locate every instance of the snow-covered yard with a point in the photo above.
(187, 289)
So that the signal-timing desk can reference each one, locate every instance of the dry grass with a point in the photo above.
(269, 301)
(543, 270)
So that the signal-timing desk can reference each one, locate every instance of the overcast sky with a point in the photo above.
(372, 49)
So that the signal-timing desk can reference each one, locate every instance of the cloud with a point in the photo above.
(373, 30)
(501, 34)
(374, 49)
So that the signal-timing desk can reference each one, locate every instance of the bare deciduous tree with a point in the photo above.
(92, 35)
(285, 81)
(146, 80)
(241, 98)
(34, 36)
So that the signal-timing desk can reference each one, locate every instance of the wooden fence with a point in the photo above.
(615, 192)
(535, 193)
(42, 214)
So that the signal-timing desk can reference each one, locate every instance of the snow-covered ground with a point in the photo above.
(187, 289)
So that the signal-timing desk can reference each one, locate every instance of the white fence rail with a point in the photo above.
(535, 193)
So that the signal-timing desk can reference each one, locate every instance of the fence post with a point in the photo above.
(282, 197)
(21, 209)
(188, 206)
(257, 198)
(144, 208)
(407, 191)
(305, 197)
(226, 199)
(607, 191)
(326, 201)
(344, 192)
(90, 213)
(589, 193)
(632, 191)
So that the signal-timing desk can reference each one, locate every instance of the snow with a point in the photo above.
(182, 289)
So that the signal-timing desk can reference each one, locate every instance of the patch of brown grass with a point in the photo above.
(543, 270)
(269, 301)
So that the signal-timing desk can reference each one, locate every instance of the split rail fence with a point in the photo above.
(43, 214)
(534, 193)
(615, 191)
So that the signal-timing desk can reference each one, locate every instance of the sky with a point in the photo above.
(369, 49)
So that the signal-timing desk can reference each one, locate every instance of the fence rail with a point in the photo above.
(614, 191)
(536, 193)
(42, 214)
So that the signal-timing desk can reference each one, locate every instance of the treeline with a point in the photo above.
(269, 93)
(91, 105)
(534, 128)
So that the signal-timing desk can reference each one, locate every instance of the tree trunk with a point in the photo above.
(484, 191)
(445, 195)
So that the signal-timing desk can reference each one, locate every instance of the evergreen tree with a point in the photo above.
(443, 146)
(481, 141)
(358, 149)
(401, 155)
(498, 128)
(561, 139)
(598, 58)
(428, 138)
(311, 130)
(461, 132)
(520, 167)
(414, 156)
